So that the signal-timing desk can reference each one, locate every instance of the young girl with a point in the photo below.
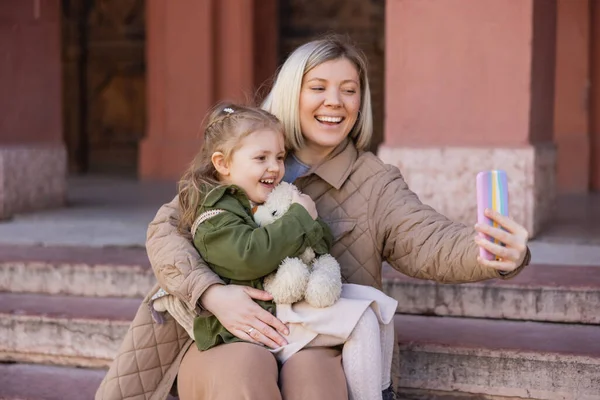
(240, 163)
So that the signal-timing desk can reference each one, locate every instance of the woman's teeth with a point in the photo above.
(267, 181)
(334, 120)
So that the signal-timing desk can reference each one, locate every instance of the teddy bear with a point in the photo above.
(315, 279)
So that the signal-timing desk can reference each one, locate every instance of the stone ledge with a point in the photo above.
(444, 178)
(110, 255)
(32, 178)
(556, 293)
(569, 294)
(76, 279)
(43, 382)
(78, 271)
(65, 330)
(497, 358)
(36, 382)
(425, 394)
(64, 341)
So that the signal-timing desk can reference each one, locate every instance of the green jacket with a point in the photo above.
(243, 253)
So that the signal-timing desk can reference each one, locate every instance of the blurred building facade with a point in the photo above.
(121, 86)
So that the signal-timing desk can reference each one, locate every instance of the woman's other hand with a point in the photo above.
(234, 308)
(305, 201)
(514, 236)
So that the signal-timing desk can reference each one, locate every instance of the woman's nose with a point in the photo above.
(332, 98)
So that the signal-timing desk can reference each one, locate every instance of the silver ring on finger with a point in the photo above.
(249, 331)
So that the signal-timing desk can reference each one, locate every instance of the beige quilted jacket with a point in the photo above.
(374, 217)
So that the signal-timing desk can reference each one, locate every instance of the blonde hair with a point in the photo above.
(225, 128)
(284, 98)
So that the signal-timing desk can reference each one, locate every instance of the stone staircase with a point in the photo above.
(64, 310)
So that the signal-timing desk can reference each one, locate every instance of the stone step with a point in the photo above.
(78, 271)
(442, 356)
(439, 354)
(64, 330)
(33, 382)
(568, 294)
(540, 293)
(49, 382)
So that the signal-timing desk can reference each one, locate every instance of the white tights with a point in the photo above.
(367, 357)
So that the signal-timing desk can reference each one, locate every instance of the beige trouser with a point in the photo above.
(245, 371)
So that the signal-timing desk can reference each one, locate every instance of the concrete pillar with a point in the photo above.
(179, 37)
(266, 43)
(595, 98)
(199, 53)
(572, 99)
(469, 87)
(32, 153)
(234, 50)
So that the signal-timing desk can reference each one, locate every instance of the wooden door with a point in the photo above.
(104, 84)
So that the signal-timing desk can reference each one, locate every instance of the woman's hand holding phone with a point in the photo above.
(502, 241)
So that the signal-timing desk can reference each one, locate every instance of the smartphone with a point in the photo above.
(492, 193)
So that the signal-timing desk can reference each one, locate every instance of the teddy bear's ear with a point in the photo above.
(287, 188)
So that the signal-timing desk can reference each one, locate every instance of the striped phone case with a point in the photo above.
(492, 193)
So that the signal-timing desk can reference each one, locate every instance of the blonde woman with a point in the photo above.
(322, 97)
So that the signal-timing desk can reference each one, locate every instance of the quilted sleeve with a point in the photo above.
(419, 242)
(177, 265)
